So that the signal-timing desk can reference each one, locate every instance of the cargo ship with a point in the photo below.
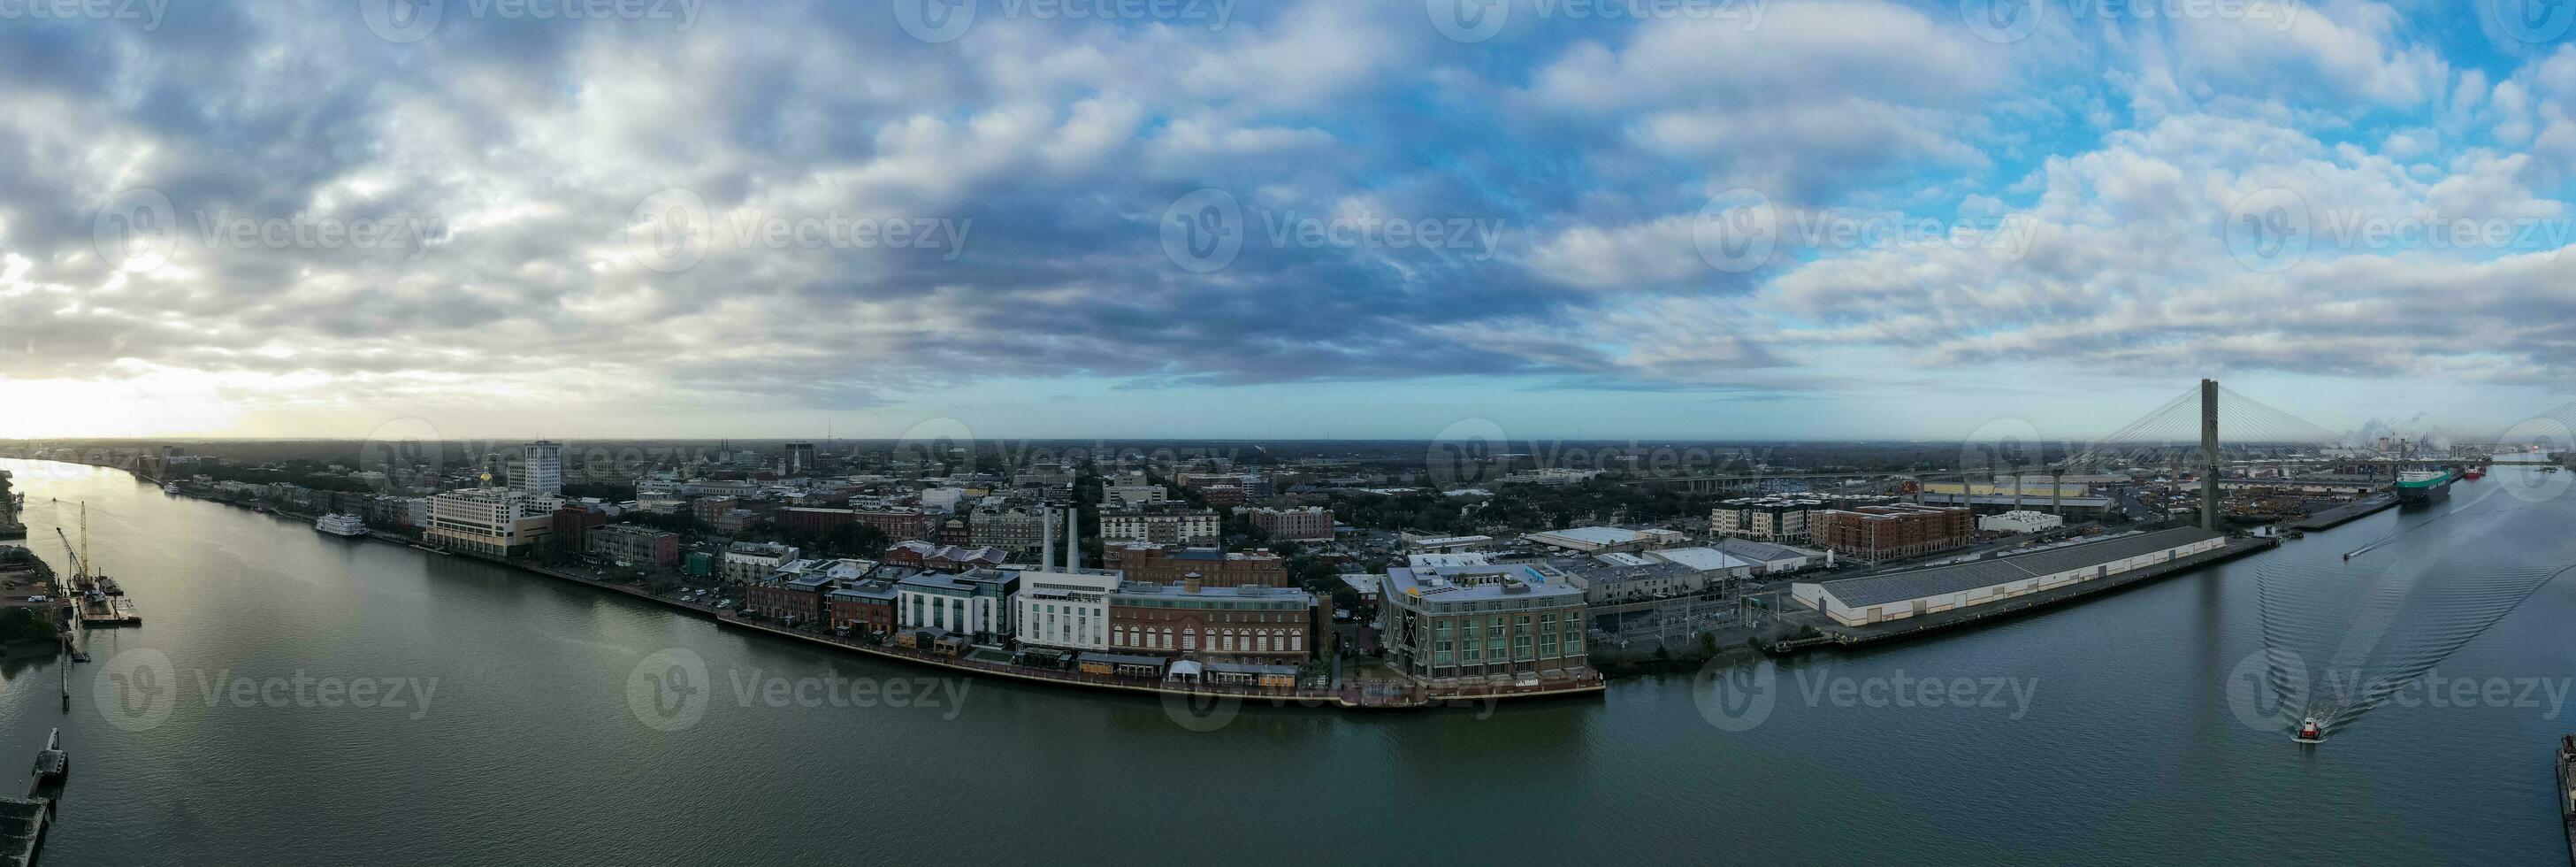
(2424, 486)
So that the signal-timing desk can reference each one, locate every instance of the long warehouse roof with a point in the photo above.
(1938, 580)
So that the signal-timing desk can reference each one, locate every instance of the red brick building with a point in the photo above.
(799, 599)
(897, 524)
(1161, 564)
(815, 520)
(572, 525)
(1876, 534)
(1269, 626)
(866, 608)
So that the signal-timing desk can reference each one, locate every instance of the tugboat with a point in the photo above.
(2310, 732)
(2473, 474)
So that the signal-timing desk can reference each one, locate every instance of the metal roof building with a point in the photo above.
(1896, 595)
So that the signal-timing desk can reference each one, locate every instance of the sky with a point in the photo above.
(1726, 219)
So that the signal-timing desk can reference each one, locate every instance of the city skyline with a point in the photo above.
(1829, 221)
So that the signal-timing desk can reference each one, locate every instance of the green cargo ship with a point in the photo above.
(2425, 486)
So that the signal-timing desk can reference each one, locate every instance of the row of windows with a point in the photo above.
(1222, 641)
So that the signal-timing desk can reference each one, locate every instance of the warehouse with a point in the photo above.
(1896, 595)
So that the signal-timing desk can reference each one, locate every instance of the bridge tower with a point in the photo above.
(2209, 454)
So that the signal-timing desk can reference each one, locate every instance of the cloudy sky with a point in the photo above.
(1372, 218)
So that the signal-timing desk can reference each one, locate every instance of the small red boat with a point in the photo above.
(2310, 732)
(2474, 473)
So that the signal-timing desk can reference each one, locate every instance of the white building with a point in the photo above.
(541, 471)
(2020, 522)
(1918, 592)
(1769, 559)
(1122, 496)
(752, 561)
(1607, 540)
(1061, 604)
(490, 521)
(1712, 562)
(1163, 527)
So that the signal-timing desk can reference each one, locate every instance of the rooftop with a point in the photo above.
(1916, 584)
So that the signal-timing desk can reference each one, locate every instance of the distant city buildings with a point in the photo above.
(1167, 525)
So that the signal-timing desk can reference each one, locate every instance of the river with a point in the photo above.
(539, 724)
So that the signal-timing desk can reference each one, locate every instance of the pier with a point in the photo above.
(1830, 632)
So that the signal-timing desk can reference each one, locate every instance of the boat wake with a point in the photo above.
(2340, 639)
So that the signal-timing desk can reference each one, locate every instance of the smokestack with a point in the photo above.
(1046, 549)
(1072, 538)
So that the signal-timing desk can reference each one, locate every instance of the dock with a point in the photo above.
(2348, 512)
(1833, 633)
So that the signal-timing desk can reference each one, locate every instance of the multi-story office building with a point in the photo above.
(1874, 534)
(1170, 525)
(1312, 523)
(1124, 496)
(746, 562)
(490, 521)
(800, 459)
(1483, 623)
(635, 545)
(1018, 531)
(975, 603)
(1261, 625)
(540, 470)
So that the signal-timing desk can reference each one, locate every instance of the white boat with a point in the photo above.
(342, 525)
(2310, 732)
(170, 488)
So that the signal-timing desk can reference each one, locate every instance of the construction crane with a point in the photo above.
(78, 566)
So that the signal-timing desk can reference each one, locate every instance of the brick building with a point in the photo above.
(1167, 526)
(814, 520)
(1311, 523)
(1263, 625)
(635, 545)
(918, 554)
(1163, 564)
(863, 608)
(1876, 534)
(897, 524)
(572, 525)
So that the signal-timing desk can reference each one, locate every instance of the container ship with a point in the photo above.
(2425, 486)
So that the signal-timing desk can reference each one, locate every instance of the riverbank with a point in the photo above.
(1375, 695)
